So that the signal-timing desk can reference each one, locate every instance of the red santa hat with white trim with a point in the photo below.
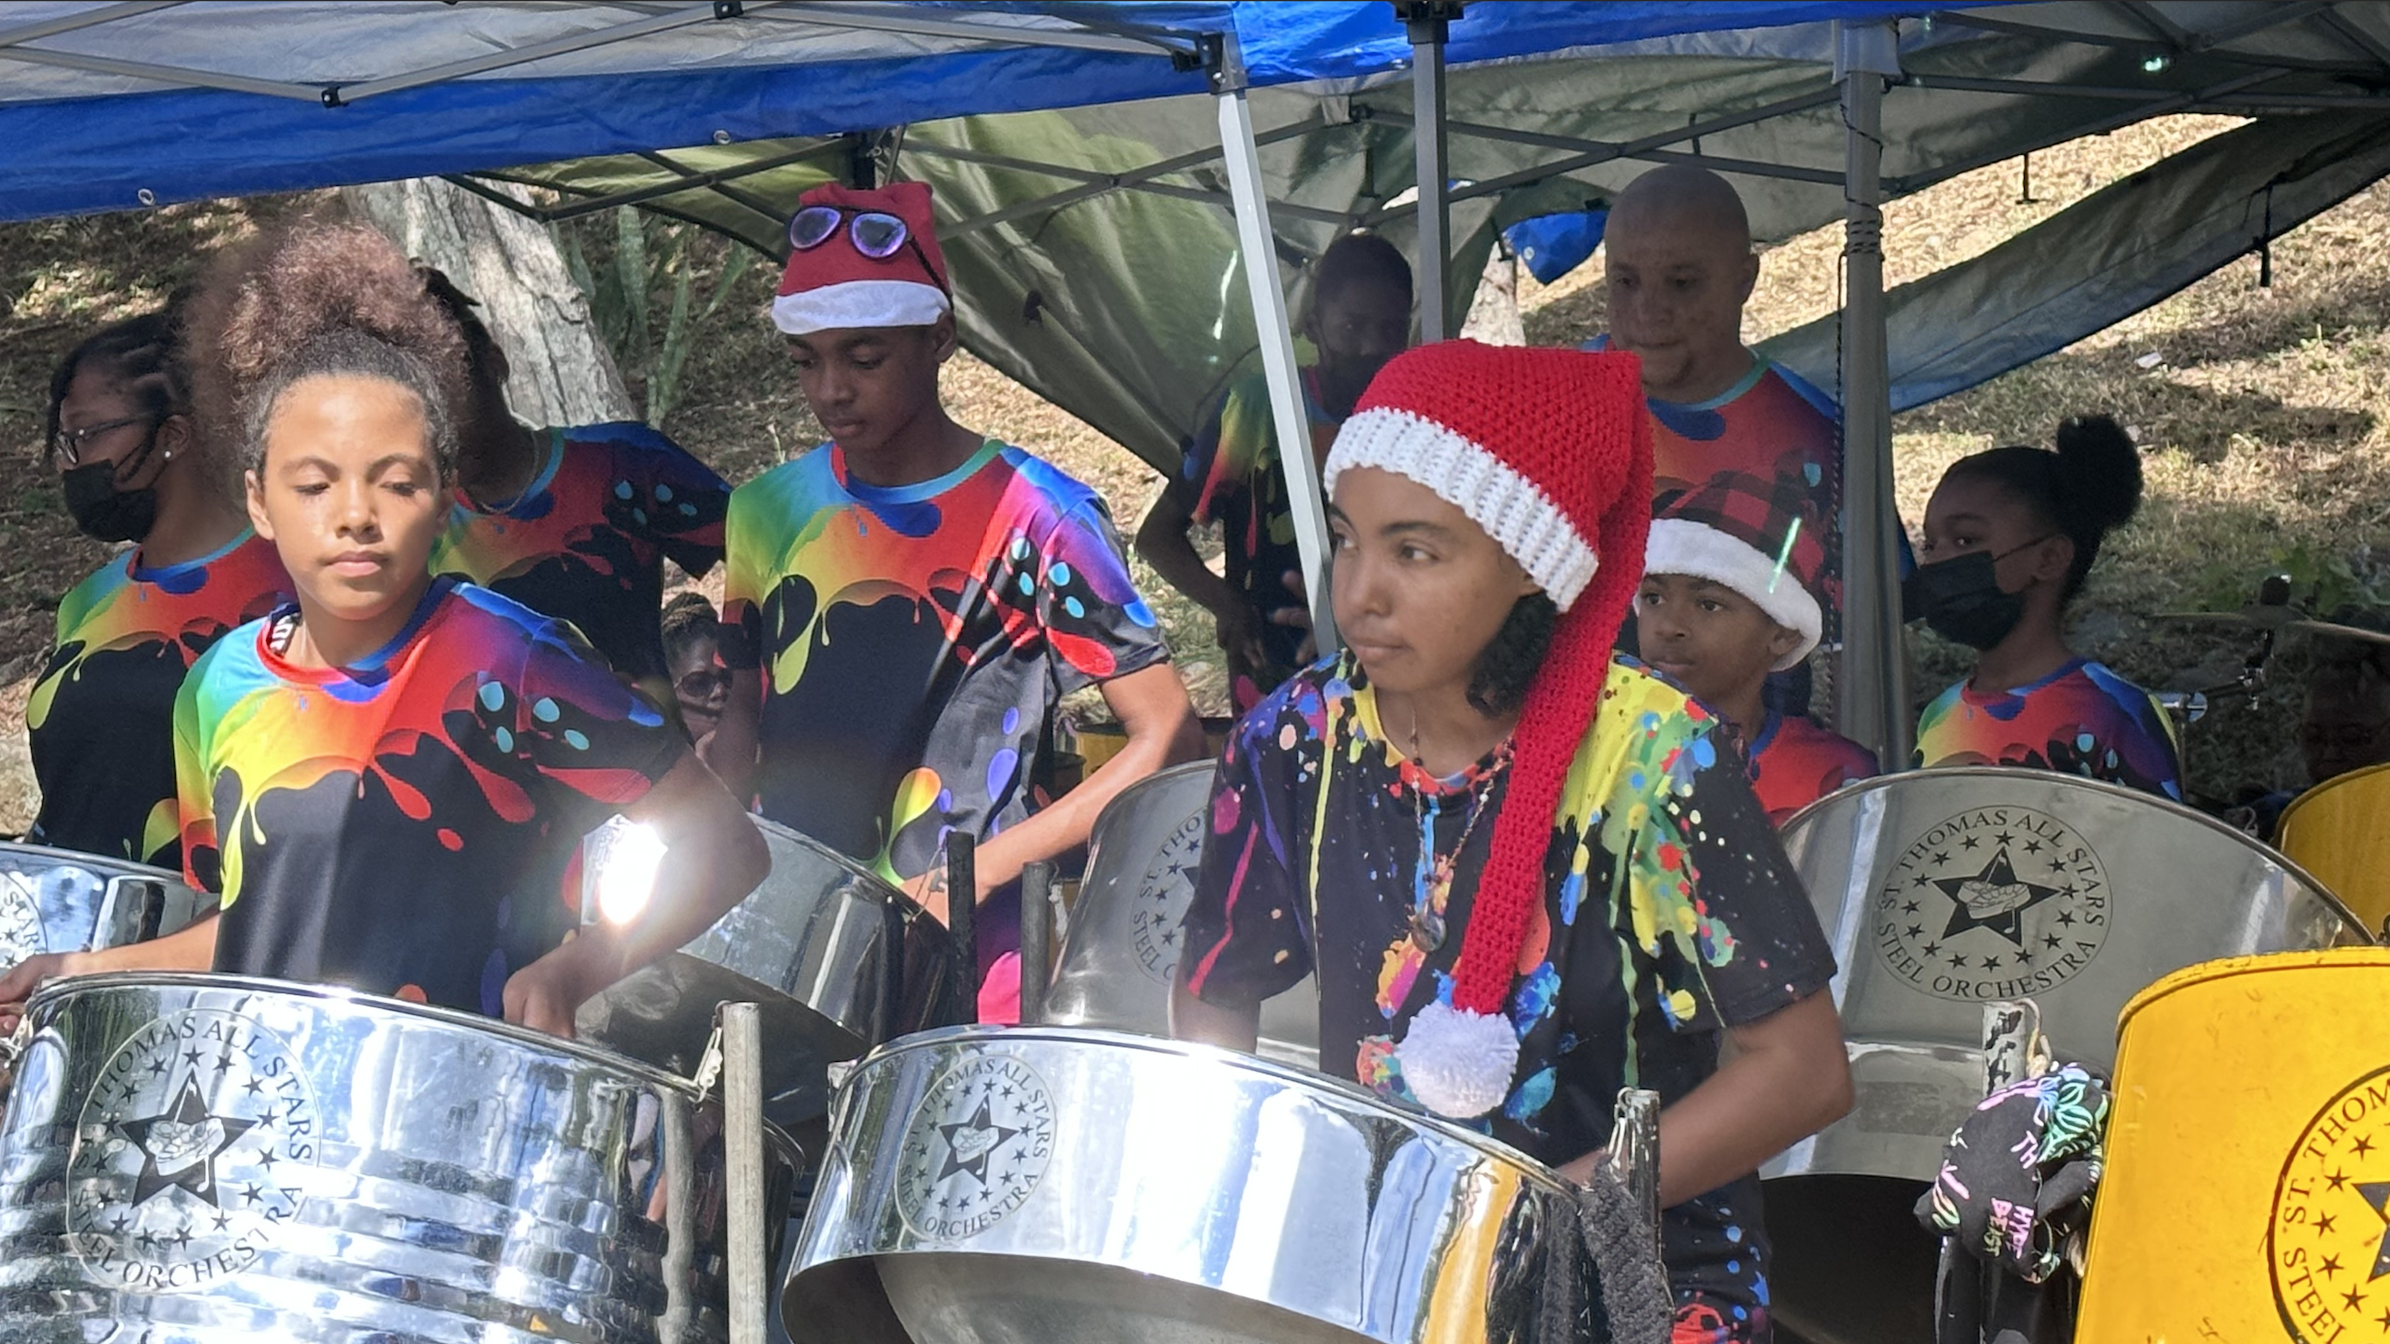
(833, 285)
(1550, 452)
(1757, 535)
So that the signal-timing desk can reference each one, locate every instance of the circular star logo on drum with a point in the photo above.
(21, 933)
(1996, 903)
(976, 1149)
(2328, 1246)
(1163, 898)
(190, 1154)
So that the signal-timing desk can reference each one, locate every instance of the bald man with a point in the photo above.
(1680, 268)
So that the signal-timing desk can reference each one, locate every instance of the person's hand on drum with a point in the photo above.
(26, 976)
(544, 995)
(929, 890)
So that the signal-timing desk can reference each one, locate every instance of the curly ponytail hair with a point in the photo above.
(2086, 489)
(321, 300)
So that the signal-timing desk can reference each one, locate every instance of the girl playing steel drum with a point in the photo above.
(367, 773)
(1526, 873)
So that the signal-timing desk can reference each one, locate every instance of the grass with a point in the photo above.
(2255, 417)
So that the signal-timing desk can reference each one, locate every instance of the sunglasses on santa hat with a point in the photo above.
(875, 233)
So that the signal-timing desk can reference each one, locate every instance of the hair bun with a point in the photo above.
(2099, 471)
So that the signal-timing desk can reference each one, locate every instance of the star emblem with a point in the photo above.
(180, 1146)
(1994, 899)
(970, 1143)
(2377, 1194)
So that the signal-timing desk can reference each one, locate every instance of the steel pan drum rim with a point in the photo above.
(2256, 963)
(1234, 1059)
(2188, 813)
(2352, 777)
(77, 858)
(70, 986)
(1127, 797)
(889, 895)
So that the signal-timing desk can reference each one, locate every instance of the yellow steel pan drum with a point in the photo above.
(2247, 1194)
(2339, 831)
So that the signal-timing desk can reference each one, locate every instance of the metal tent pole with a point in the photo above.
(1242, 157)
(1429, 24)
(1873, 682)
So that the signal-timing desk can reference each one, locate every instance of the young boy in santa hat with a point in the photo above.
(905, 604)
(1728, 598)
(1525, 873)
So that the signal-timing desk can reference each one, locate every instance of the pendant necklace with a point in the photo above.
(1427, 915)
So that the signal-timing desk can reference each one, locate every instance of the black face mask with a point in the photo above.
(103, 512)
(1961, 599)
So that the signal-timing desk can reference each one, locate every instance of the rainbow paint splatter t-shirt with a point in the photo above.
(2080, 720)
(585, 542)
(1794, 762)
(1671, 913)
(100, 722)
(367, 824)
(914, 640)
(1231, 475)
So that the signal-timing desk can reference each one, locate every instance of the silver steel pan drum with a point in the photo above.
(59, 900)
(1944, 890)
(838, 960)
(201, 1159)
(1047, 1184)
(1122, 946)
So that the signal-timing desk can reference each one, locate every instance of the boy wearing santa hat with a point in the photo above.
(1729, 596)
(1525, 874)
(905, 604)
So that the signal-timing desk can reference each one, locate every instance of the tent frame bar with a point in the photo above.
(336, 95)
(1609, 153)
(2231, 103)
(1544, 140)
(1114, 38)
(1118, 39)
(90, 18)
(2202, 44)
(1129, 179)
(1256, 248)
(2100, 126)
(1109, 180)
(688, 181)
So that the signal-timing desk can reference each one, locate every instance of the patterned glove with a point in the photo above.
(2017, 1177)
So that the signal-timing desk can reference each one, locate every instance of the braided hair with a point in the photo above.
(140, 356)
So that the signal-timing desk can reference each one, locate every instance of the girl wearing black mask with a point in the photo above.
(2010, 537)
(101, 717)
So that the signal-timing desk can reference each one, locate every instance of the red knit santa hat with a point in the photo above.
(833, 285)
(1757, 535)
(1550, 452)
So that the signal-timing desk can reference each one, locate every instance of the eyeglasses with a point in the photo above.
(67, 444)
(875, 233)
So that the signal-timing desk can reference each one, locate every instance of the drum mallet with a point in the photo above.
(743, 1163)
(962, 911)
(1037, 940)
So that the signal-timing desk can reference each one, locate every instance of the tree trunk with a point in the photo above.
(1494, 310)
(562, 373)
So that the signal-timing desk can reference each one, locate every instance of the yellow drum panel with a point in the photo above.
(2247, 1194)
(2340, 832)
